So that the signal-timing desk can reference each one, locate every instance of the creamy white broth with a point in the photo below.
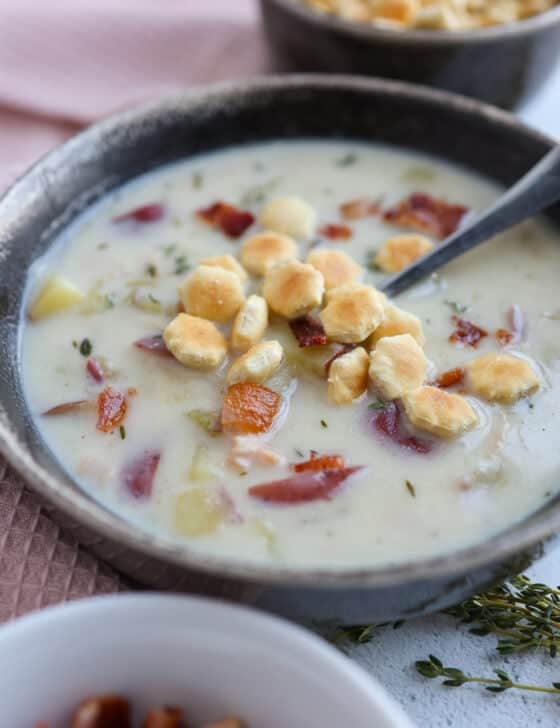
(465, 489)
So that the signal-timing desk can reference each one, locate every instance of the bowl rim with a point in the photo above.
(163, 612)
(84, 510)
(363, 31)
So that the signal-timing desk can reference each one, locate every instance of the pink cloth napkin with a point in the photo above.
(64, 64)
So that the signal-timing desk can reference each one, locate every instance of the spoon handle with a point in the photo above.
(538, 189)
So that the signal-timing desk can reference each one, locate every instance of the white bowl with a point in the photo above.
(210, 658)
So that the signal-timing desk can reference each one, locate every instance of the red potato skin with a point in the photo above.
(153, 345)
(304, 487)
(138, 475)
(144, 214)
(103, 711)
(66, 407)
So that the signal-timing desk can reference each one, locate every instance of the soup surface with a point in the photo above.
(183, 450)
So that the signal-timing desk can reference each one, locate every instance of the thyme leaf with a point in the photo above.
(86, 347)
(347, 160)
(410, 488)
(453, 677)
(456, 306)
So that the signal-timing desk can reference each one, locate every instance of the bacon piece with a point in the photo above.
(144, 214)
(164, 718)
(249, 409)
(304, 487)
(450, 378)
(466, 333)
(154, 345)
(336, 231)
(387, 423)
(308, 331)
(66, 407)
(111, 409)
(516, 321)
(343, 350)
(319, 462)
(102, 711)
(361, 207)
(229, 219)
(95, 370)
(504, 337)
(138, 475)
(427, 214)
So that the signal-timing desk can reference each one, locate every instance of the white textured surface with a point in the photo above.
(390, 656)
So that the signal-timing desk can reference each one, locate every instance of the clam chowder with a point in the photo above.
(207, 352)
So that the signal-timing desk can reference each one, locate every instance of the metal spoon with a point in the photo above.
(538, 189)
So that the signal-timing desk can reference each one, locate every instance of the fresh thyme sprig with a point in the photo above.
(521, 613)
(455, 678)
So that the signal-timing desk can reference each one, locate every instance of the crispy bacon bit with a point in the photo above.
(362, 207)
(65, 407)
(154, 345)
(111, 409)
(164, 718)
(504, 337)
(144, 214)
(466, 333)
(343, 350)
(132, 391)
(109, 711)
(249, 409)
(336, 231)
(229, 219)
(387, 423)
(95, 370)
(427, 214)
(304, 487)
(319, 462)
(450, 378)
(138, 475)
(308, 331)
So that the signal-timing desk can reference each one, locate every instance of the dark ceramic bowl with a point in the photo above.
(40, 205)
(502, 65)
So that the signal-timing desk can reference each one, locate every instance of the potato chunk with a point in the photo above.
(56, 295)
(227, 262)
(336, 266)
(293, 289)
(501, 377)
(289, 215)
(212, 293)
(262, 251)
(197, 512)
(195, 342)
(399, 252)
(439, 412)
(397, 321)
(348, 376)
(250, 323)
(397, 365)
(352, 313)
(257, 364)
